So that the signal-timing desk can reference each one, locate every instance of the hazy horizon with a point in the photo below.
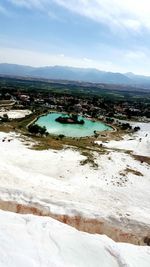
(67, 66)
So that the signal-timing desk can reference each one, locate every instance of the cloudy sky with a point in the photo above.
(111, 35)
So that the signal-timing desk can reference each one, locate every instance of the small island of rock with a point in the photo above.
(72, 119)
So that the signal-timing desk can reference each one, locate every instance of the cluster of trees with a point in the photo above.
(109, 120)
(36, 129)
(126, 126)
(73, 118)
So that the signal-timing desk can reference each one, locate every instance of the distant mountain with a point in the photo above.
(74, 74)
(138, 79)
(13, 69)
(79, 74)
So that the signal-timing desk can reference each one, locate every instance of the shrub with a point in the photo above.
(36, 129)
(5, 118)
(136, 128)
(126, 126)
(61, 136)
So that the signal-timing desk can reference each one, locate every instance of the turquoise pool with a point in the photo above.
(70, 130)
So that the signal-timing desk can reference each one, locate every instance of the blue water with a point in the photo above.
(71, 130)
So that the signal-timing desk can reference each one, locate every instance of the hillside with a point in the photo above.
(74, 74)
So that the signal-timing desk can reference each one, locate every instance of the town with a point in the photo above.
(18, 94)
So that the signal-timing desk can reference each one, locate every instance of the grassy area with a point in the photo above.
(86, 146)
(56, 142)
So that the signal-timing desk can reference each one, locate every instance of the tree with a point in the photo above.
(36, 129)
(126, 126)
(61, 136)
(5, 118)
(136, 128)
(74, 117)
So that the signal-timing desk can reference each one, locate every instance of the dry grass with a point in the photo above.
(6, 128)
(135, 172)
(42, 143)
(142, 159)
(89, 159)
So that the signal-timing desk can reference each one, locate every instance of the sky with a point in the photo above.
(110, 35)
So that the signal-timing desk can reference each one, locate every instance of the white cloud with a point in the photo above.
(21, 3)
(29, 3)
(52, 15)
(128, 14)
(4, 11)
(41, 5)
(135, 55)
(38, 4)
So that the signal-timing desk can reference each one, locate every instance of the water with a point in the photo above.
(70, 130)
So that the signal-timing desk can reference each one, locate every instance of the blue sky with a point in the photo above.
(111, 35)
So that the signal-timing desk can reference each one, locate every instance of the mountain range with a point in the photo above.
(74, 74)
